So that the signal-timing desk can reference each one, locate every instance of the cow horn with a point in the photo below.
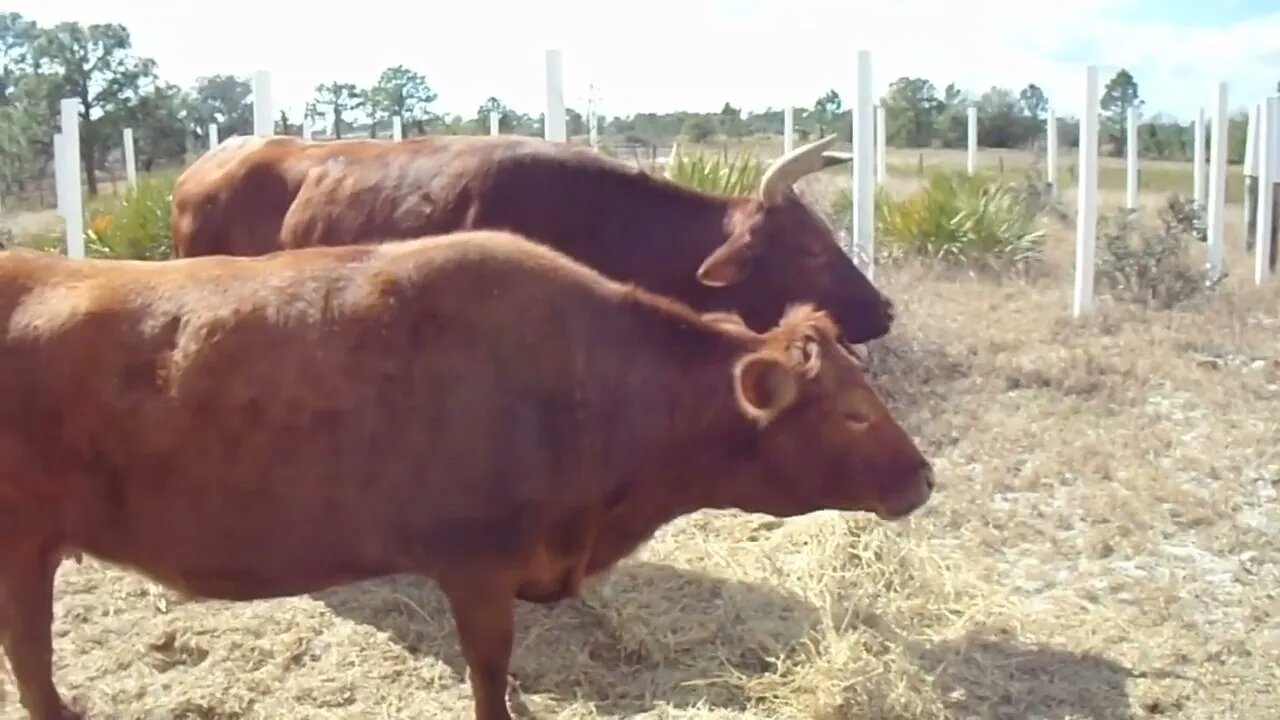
(792, 166)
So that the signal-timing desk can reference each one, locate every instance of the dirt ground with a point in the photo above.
(1104, 544)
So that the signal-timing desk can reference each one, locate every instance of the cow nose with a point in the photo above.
(926, 476)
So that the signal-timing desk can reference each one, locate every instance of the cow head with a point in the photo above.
(825, 439)
(779, 251)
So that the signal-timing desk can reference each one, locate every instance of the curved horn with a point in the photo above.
(792, 166)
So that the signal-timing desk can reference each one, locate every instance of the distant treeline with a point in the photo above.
(118, 89)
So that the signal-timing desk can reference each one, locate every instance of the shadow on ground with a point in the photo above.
(647, 633)
(991, 678)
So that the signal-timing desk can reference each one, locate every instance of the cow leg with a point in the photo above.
(26, 618)
(485, 620)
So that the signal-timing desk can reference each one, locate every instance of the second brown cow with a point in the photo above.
(752, 255)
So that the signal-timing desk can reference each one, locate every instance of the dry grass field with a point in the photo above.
(1105, 543)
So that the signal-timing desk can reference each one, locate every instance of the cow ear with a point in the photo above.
(764, 386)
(730, 262)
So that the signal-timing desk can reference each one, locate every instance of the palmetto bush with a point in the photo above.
(710, 172)
(977, 221)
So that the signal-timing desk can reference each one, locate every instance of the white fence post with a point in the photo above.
(1217, 181)
(74, 215)
(880, 144)
(1087, 200)
(1267, 168)
(494, 118)
(1197, 155)
(397, 128)
(130, 159)
(1131, 160)
(553, 124)
(263, 121)
(1249, 167)
(306, 128)
(1051, 153)
(1250, 164)
(863, 169)
(213, 135)
(973, 139)
(788, 129)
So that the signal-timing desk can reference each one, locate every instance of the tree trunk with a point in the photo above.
(90, 171)
(88, 152)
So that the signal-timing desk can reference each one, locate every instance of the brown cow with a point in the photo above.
(752, 255)
(473, 407)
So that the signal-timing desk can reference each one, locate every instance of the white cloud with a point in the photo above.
(692, 54)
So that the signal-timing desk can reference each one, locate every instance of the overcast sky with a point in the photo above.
(662, 55)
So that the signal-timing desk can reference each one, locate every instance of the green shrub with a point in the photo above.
(1148, 265)
(134, 224)
(957, 218)
(718, 174)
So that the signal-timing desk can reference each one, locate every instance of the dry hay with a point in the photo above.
(1103, 545)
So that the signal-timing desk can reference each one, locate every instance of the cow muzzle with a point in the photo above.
(916, 492)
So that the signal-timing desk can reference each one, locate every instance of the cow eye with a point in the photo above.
(856, 419)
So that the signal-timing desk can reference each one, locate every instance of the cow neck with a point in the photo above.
(680, 225)
(700, 446)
